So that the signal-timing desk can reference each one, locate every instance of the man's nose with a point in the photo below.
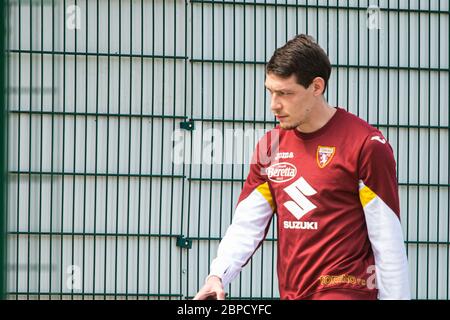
(275, 104)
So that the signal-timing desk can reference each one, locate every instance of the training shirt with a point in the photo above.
(335, 195)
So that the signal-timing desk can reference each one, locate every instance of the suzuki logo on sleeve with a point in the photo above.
(298, 192)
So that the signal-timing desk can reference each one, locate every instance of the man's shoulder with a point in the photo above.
(355, 125)
(272, 134)
(366, 136)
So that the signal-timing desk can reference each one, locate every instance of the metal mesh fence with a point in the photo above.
(131, 123)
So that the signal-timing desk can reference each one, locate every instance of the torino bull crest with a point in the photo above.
(324, 155)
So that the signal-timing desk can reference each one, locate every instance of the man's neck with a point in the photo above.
(318, 117)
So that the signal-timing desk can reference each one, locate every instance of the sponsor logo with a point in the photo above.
(284, 155)
(298, 192)
(281, 172)
(327, 280)
(303, 225)
(379, 139)
(324, 155)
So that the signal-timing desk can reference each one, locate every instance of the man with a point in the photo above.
(332, 183)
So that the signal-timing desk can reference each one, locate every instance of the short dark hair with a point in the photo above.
(303, 57)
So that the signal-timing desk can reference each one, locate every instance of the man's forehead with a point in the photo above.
(277, 83)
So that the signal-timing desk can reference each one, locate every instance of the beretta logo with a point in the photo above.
(281, 172)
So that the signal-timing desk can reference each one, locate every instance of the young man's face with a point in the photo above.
(290, 102)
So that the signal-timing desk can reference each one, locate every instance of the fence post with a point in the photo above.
(3, 155)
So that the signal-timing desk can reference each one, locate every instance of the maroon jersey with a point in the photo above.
(336, 197)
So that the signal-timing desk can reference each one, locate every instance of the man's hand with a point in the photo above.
(212, 290)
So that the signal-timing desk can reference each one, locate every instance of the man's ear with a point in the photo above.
(318, 84)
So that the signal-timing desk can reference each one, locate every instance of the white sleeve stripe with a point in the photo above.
(386, 237)
(243, 236)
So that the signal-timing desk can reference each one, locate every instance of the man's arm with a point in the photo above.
(248, 229)
(378, 192)
(244, 235)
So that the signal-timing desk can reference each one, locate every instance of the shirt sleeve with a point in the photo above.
(378, 192)
(250, 223)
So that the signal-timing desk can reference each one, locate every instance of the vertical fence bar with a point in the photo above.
(317, 21)
(30, 151)
(223, 114)
(40, 152)
(439, 145)
(50, 276)
(5, 86)
(174, 61)
(399, 155)
(429, 149)
(234, 114)
(108, 104)
(408, 127)
(151, 149)
(162, 144)
(63, 159)
(118, 154)
(191, 33)
(94, 255)
(3, 153)
(86, 88)
(141, 102)
(212, 123)
(5, 73)
(202, 81)
(6, 267)
(306, 17)
(19, 99)
(127, 257)
(418, 157)
(74, 172)
(185, 110)
(261, 280)
(448, 165)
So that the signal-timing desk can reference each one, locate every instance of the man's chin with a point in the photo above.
(287, 126)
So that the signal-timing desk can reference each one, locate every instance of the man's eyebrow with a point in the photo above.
(278, 90)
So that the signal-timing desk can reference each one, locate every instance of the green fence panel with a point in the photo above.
(131, 125)
(3, 158)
